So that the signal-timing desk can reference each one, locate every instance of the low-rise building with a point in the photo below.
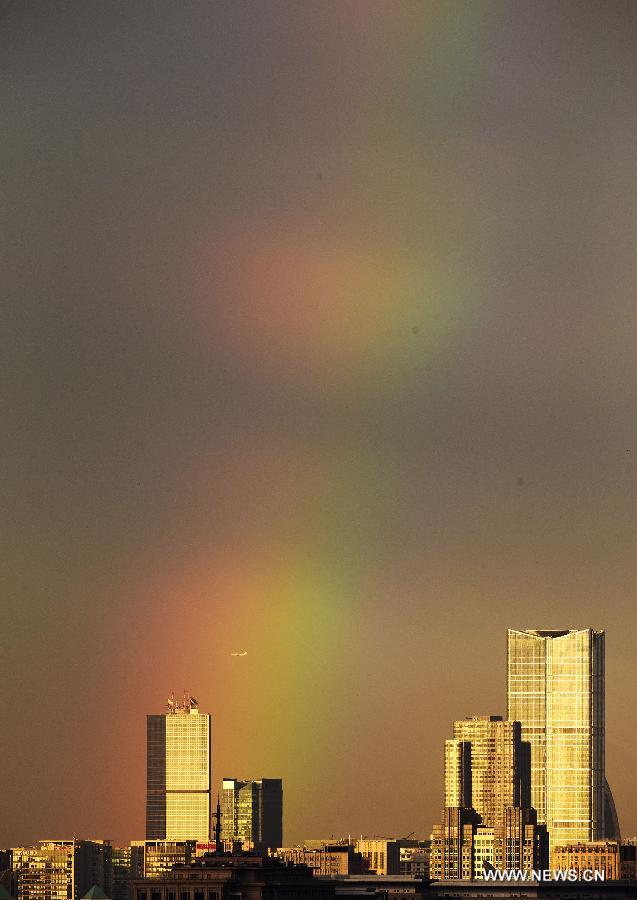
(380, 855)
(162, 856)
(414, 860)
(235, 877)
(532, 890)
(331, 859)
(600, 856)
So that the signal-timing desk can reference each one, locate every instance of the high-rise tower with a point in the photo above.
(252, 814)
(487, 820)
(499, 766)
(555, 688)
(179, 773)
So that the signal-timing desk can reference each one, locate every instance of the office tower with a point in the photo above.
(487, 820)
(498, 762)
(452, 844)
(457, 773)
(128, 863)
(555, 688)
(252, 814)
(62, 870)
(179, 773)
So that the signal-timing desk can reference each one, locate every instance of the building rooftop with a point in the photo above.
(95, 893)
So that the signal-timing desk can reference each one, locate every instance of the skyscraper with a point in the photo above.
(252, 814)
(457, 773)
(487, 819)
(555, 688)
(499, 766)
(179, 773)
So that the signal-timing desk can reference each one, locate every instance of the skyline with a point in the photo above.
(319, 344)
(184, 708)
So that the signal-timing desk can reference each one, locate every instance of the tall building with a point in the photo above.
(457, 773)
(497, 761)
(179, 773)
(252, 814)
(62, 870)
(487, 820)
(555, 688)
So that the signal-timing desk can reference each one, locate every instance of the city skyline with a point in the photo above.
(176, 740)
(320, 339)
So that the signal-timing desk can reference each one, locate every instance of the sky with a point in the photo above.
(318, 342)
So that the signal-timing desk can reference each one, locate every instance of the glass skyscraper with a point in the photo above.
(179, 773)
(252, 814)
(498, 767)
(555, 688)
(487, 821)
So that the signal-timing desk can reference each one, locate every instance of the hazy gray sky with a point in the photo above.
(319, 341)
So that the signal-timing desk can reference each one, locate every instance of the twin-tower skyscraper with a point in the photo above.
(555, 689)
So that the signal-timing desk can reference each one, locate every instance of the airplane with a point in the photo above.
(241, 653)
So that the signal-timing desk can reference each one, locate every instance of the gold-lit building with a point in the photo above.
(555, 688)
(457, 773)
(162, 856)
(179, 773)
(380, 855)
(332, 859)
(252, 814)
(498, 763)
(452, 844)
(62, 870)
(601, 856)
(487, 820)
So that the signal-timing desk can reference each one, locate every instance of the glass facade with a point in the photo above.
(62, 870)
(457, 773)
(252, 814)
(499, 778)
(555, 688)
(178, 805)
(161, 856)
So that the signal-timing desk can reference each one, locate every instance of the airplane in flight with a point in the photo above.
(239, 653)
